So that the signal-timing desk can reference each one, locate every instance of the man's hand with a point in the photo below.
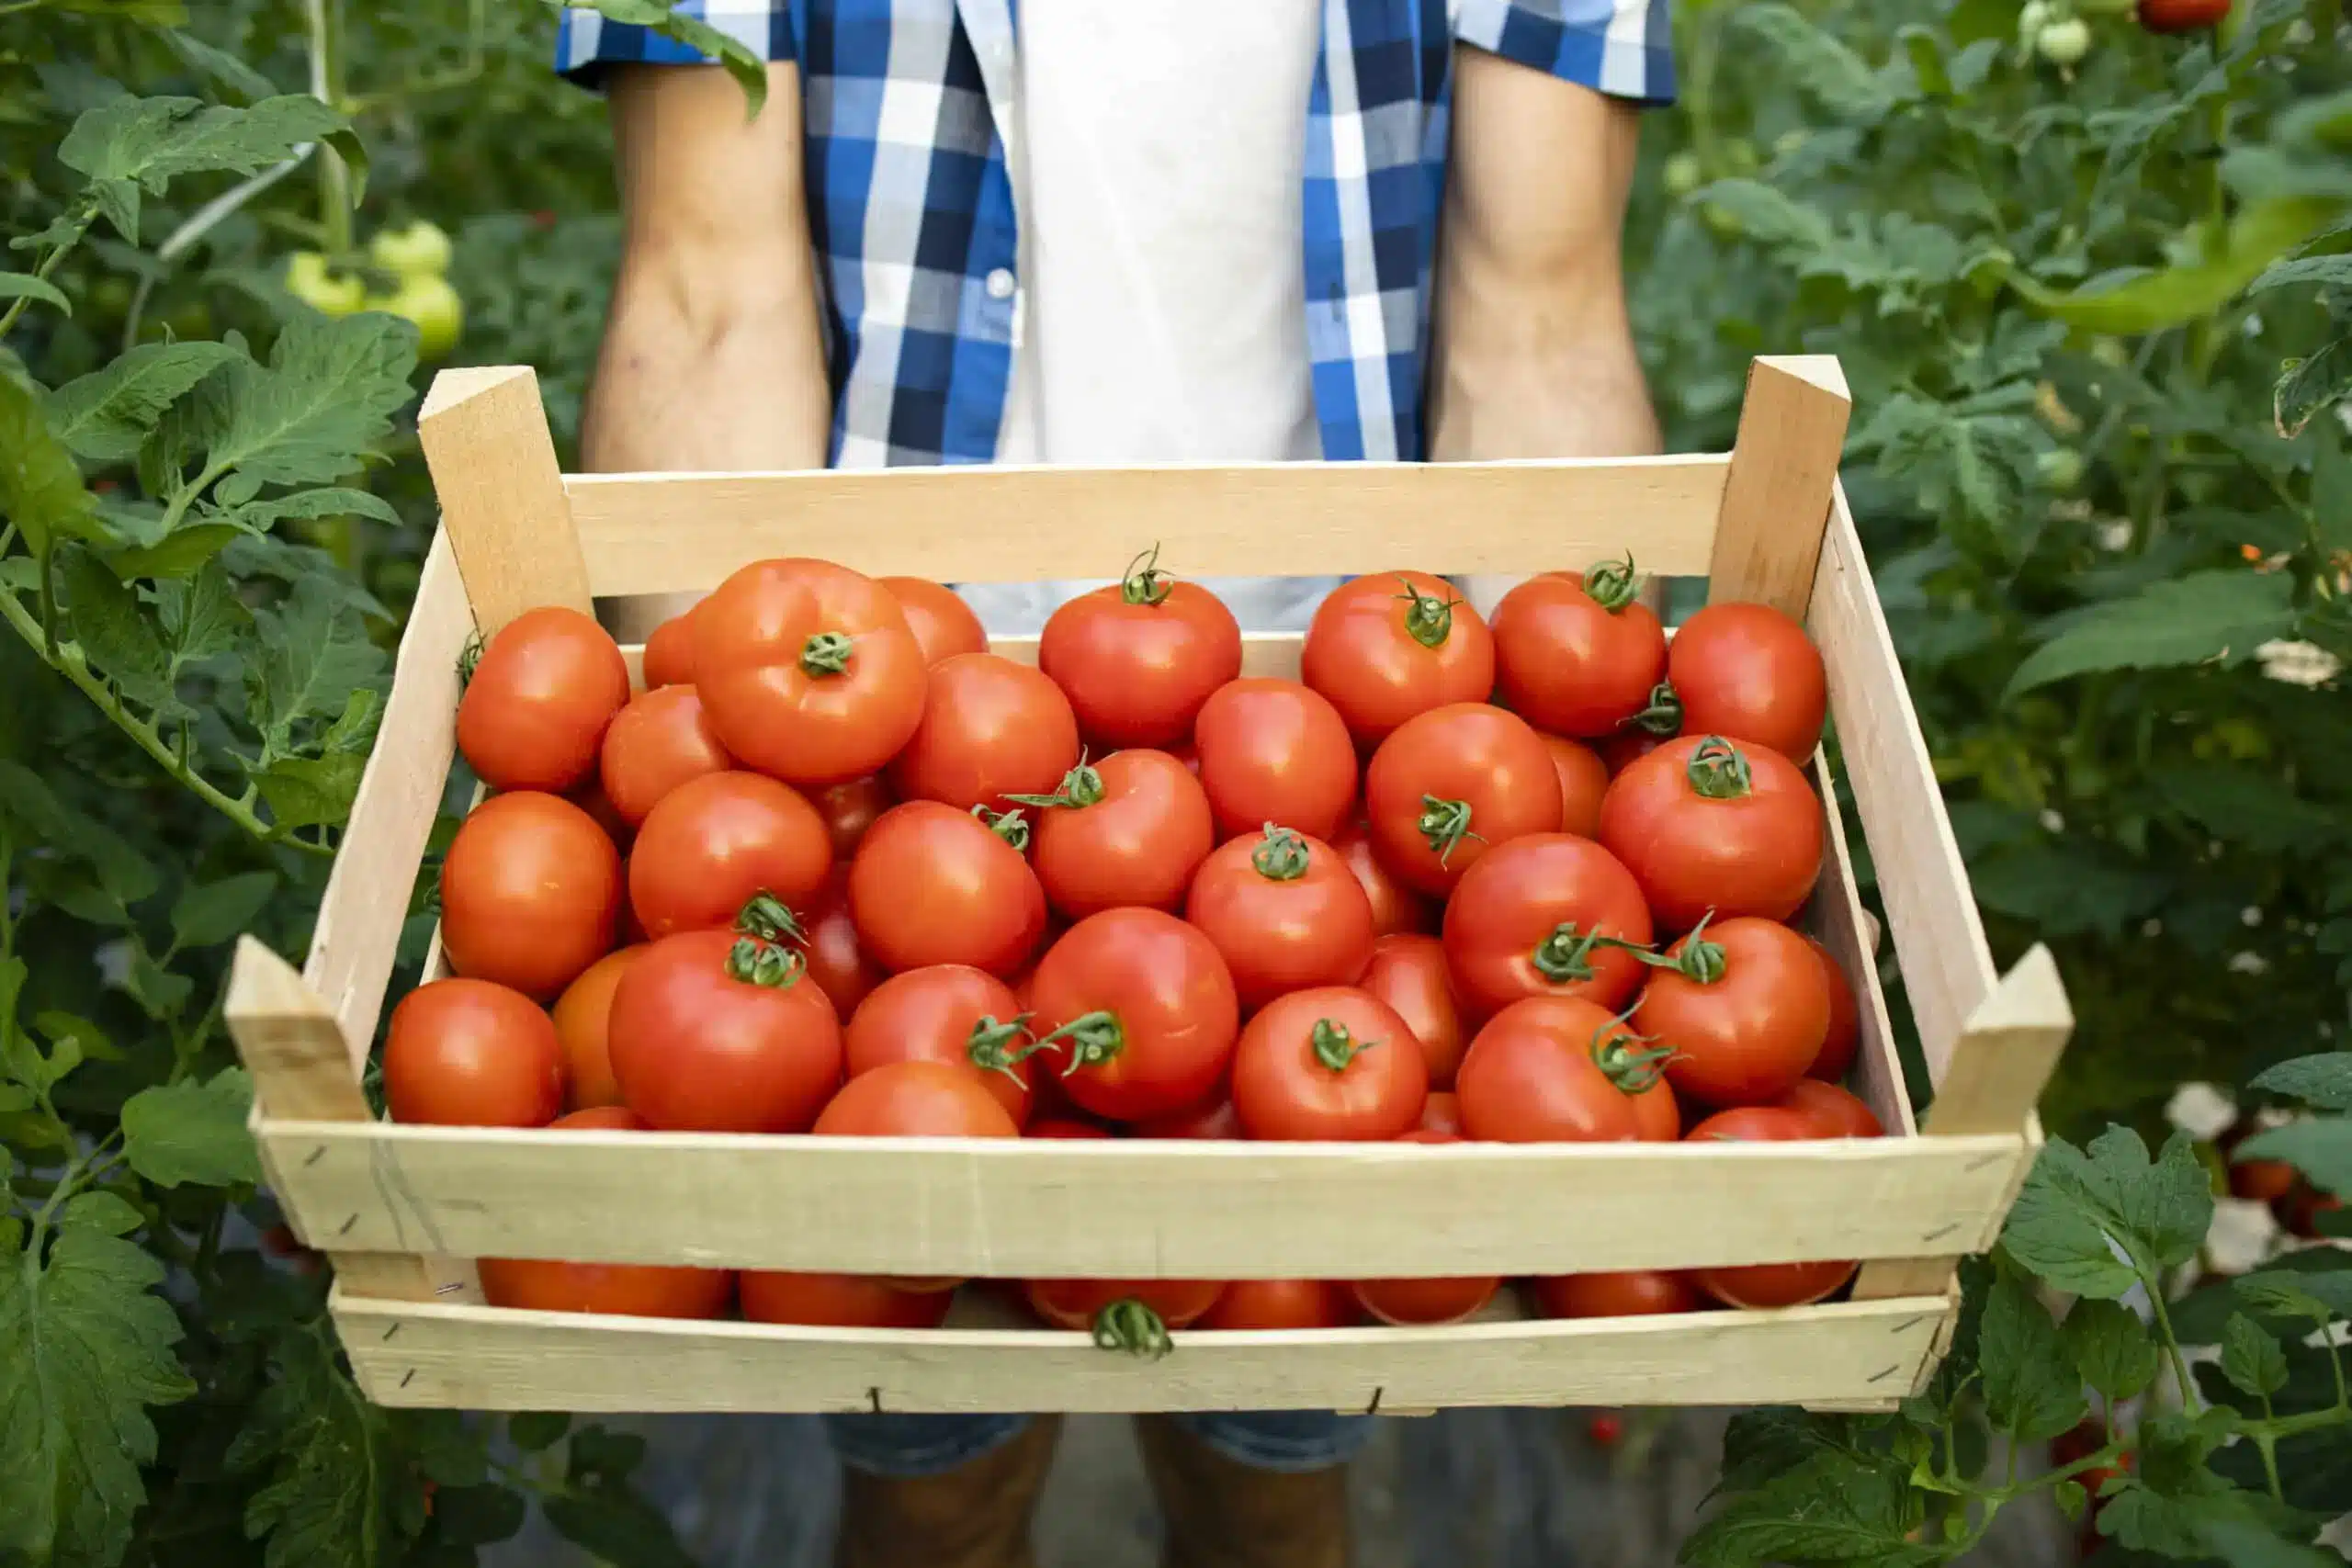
(1533, 356)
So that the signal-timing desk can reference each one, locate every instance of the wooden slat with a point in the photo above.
(1129, 1209)
(1844, 928)
(661, 534)
(1939, 937)
(358, 931)
(486, 440)
(1776, 498)
(488, 1360)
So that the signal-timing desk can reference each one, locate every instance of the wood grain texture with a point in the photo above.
(486, 440)
(661, 534)
(407, 1354)
(1938, 936)
(1776, 497)
(1129, 1209)
(1847, 930)
(358, 931)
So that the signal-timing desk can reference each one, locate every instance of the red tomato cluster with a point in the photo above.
(840, 870)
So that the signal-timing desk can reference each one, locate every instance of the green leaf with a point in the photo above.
(2315, 382)
(314, 657)
(2068, 887)
(2245, 805)
(2312, 1295)
(193, 1133)
(2205, 617)
(2321, 1149)
(2241, 1543)
(86, 1345)
(201, 616)
(2323, 1082)
(222, 66)
(325, 1453)
(130, 143)
(122, 870)
(2071, 1499)
(615, 1527)
(25, 285)
(2259, 236)
(208, 913)
(533, 1430)
(2251, 1359)
(1766, 215)
(41, 489)
(105, 416)
(1818, 64)
(2078, 1207)
(477, 1516)
(324, 400)
(2032, 1390)
(2111, 1348)
(189, 548)
(119, 637)
(331, 502)
(1827, 1510)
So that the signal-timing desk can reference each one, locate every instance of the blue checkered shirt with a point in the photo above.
(910, 205)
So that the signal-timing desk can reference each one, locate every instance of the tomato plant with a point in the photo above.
(915, 1098)
(837, 1301)
(1553, 1070)
(1408, 972)
(1280, 1303)
(950, 1013)
(658, 741)
(943, 623)
(1748, 673)
(1387, 647)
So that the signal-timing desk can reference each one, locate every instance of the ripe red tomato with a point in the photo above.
(622, 1290)
(991, 728)
(1385, 647)
(1584, 779)
(714, 842)
(1441, 1112)
(849, 809)
(1745, 1012)
(2301, 1212)
(1144, 1006)
(838, 1301)
(1631, 1293)
(1551, 1069)
(2182, 15)
(1403, 1303)
(590, 796)
(828, 936)
(670, 653)
(949, 1012)
(1540, 916)
(1079, 1303)
(1139, 658)
(1408, 972)
(1630, 746)
(1332, 1064)
(1838, 1047)
(1577, 657)
(1765, 1284)
(916, 1098)
(1274, 752)
(470, 1053)
(933, 884)
(1281, 1304)
(658, 742)
(1658, 1115)
(1285, 912)
(1837, 1114)
(1748, 673)
(808, 670)
(1706, 825)
(530, 892)
(944, 626)
(1213, 1120)
(538, 703)
(1064, 1127)
(1394, 907)
(1131, 829)
(580, 1015)
(2263, 1180)
(713, 1033)
(1452, 785)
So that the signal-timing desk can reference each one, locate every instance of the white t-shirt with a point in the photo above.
(1157, 170)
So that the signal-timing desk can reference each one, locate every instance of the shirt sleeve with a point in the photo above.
(587, 42)
(1623, 47)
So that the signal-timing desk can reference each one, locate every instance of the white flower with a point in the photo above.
(2201, 1110)
(2239, 1238)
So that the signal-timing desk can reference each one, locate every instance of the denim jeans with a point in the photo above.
(906, 1446)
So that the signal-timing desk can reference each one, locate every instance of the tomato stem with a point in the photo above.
(1334, 1046)
(1093, 1038)
(764, 916)
(1612, 584)
(1429, 620)
(1080, 786)
(827, 653)
(986, 1046)
(468, 659)
(757, 963)
(1616, 1052)
(1717, 771)
(1144, 582)
(1009, 826)
(1283, 857)
(1444, 823)
(1129, 1325)
(1700, 962)
(1663, 714)
(1565, 955)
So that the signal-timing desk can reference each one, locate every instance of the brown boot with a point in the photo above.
(1222, 1513)
(974, 1517)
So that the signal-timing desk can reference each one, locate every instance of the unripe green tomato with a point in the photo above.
(329, 293)
(1682, 174)
(420, 249)
(1726, 225)
(2064, 43)
(2032, 17)
(427, 300)
(2061, 468)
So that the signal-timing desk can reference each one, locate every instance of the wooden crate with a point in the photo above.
(402, 1209)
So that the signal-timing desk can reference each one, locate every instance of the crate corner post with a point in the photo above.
(1784, 468)
(492, 454)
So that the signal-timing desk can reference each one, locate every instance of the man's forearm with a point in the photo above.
(1537, 387)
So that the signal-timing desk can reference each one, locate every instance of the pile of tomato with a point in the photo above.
(839, 869)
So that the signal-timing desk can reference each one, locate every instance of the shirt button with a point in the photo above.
(1000, 284)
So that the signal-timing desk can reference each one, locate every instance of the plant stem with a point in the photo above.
(326, 29)
(2268, 1446)
(47, 263)
(2189, 1398)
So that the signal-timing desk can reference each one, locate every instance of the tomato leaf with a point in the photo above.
(25, 285)
(2204, 618)
(105, 415)
(323, 402)
(2323, 1082)
(2111, 1348)
(131, 144)
(1819, 64)
(2032, 1390)
(2310, 1293)
(2096, 1223)
(315, 659)
(477, 1516)
(533, 1431)
(1828, 1510)
(2260, 234)
(41, 489)
(208, 913)
(86, 1345)
(2067, 886)
(324, 1454)
(193, 1133)
(222, 66)
(2245, 805)
(2251, 1359)
(2321, 1149)
(2243, 1543)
